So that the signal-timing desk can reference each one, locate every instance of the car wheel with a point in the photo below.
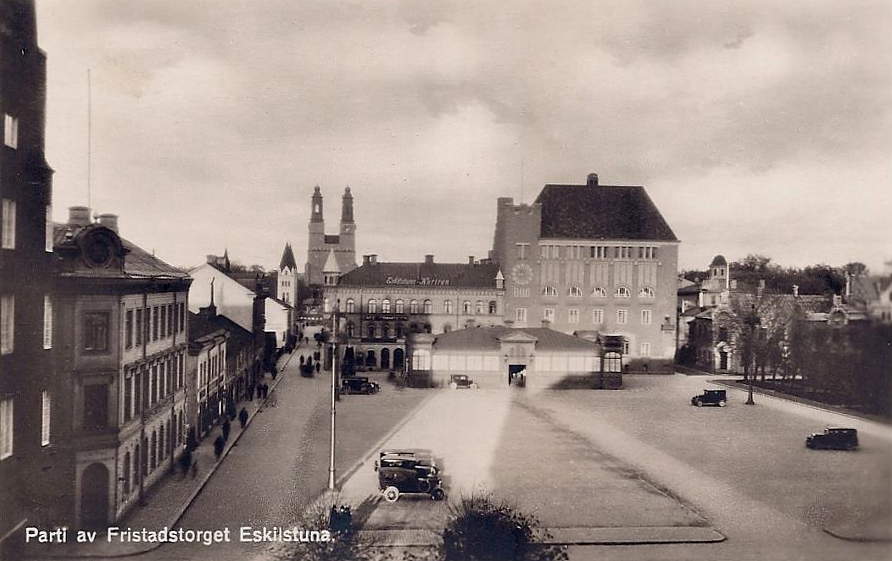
(424, 486)
(698, 403)
(391, 494)
(438, 494)
(453, 385)
(473, 386)
(722, 403)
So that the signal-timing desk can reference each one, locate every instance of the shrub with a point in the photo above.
(342, 524)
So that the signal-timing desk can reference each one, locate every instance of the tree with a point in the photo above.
(855, 268)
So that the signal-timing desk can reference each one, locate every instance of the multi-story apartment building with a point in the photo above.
(31, 451)
(121, 324)
(591, 258)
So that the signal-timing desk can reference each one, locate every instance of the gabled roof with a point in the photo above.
(609, 212)
(433, 275)
(287, 259)
(489, 339)
(201, 326)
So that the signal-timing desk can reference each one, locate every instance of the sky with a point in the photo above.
(756, 126)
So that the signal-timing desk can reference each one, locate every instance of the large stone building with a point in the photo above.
(120, 320)
(322, 247)
(383, 303)
(32, 454)
(592, 257)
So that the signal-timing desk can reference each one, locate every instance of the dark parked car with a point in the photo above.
(460, 381)
(359, 384)
(710, 397)
(833, 439)
(408, 471)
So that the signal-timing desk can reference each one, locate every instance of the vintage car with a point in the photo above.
(710, 397)
(408, 471)
(358, 384)
(833, 438)
(460, 381)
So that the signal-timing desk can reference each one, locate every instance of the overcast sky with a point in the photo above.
(756, 126)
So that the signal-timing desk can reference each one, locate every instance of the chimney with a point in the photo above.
(428, 259)
(78, 216)
(546, 323)
(110, 221)
(470, 259)
(366, 259)
(592, 180)
(373, 259)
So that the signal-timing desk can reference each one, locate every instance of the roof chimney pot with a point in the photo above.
(592, 180)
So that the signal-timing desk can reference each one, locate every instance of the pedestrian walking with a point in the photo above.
(259, 391)
(243, 417)
(194, 468)
(219, 443)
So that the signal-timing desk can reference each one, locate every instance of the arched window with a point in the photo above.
(622, 292)
(549, 291)
(373, 306)
(428, 307)
(399, 330)
(413, 306)
(370, 331)
(399, 307)
(575, 292)
(385, 306)
(350, 305)
(385, 332)
(447, 307)
(479, 307)
(492, 307)
(350, 329)
(466, 307)
(599, 292)
(646, 292)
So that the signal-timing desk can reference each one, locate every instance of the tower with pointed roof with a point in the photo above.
(288, 277)
(321, 246)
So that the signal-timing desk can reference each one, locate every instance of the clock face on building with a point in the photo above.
(522, 273)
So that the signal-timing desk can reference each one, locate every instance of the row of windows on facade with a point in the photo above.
(573, 315)
(144, 387)
(553, 251)
(426, 307)
(155, 448)
(550, 291)
(140, 325)
(8, 225)
(7, 323)
(10, 131)
(7, 427)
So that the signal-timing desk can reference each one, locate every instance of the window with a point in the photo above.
(350, 305)
(421, 359)
(573, 315)
(47, 322)
(96, 332)
(182, 317)
(128, 396)
(549, 291)
(646, 292)
(170, 322)
(622, 292)
(154, 323)
(7, 323)
(7, 235)
(45, 415)
(373, 306)
(413, 306)
(645, 348)
(400, 307)
(622, 316)
(599, 292)
(370, 331)
(521, 292)
(522, 250)
(48, 241)
(128, 329)
(139, 326)
(385, 306)
(428, 307)
(163, 326)
(492, 307)
(466, 307)
(447, 307)
(479, 307)
(521, 315)
(6, 424)
(10, 131)
(548, 314)
(96, 405)
(646, 317)
(575, 292)
(597, 316)
(625, 346)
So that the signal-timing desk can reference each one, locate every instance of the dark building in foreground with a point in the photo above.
(30, 448)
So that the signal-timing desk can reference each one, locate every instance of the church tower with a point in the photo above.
(287, 282)
(320, 245)
(347, 243)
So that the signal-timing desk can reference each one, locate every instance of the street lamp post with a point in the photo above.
(752, 320)
(334, 360)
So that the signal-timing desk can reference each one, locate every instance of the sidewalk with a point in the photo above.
(169, 498)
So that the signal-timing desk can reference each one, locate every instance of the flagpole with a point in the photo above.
(334, 354)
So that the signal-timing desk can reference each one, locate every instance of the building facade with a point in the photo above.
(382, 304)
(120, 316)
(320, 244)
(34, 466)
(592, 257)
(288, 278)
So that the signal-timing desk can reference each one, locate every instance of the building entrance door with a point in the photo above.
(517, 375)
(94, 496)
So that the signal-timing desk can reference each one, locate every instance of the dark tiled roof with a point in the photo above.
(610, 212)
(487, 339)
(718, 261)
(287, 258)
(201, 325)
(138, 263)
(433, 275)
